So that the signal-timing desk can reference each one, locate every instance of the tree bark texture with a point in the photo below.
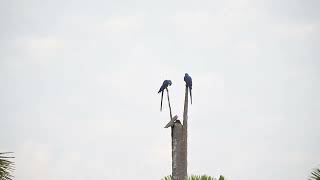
(179, 134)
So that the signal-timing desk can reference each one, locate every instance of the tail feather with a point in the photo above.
(161, 101)
(190, 95)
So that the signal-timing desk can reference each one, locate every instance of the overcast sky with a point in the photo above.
(79, 82)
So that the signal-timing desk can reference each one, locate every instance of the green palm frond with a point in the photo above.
(203, 177)
(196, 177)
(6, 166)
(315, 174)
(221, 177)
(167, 178)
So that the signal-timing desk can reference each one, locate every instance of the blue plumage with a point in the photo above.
(164, 85)
(188, 81)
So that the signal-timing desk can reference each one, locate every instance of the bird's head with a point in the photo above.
(186, 74)
(169, 82)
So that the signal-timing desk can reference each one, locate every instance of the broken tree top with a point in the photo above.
(164, 86)
(172, 121)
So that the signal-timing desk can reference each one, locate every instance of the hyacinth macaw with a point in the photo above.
(188, 81)
(164, 86)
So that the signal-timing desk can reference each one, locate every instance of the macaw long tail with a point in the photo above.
(161, 101)
(190, 95)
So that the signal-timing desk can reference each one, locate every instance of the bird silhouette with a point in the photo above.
(164, 85)
(188, 81)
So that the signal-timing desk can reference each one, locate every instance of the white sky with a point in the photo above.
(79, 82)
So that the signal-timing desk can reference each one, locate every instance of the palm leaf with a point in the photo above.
(6, 166)
(195, 177)
(221, 177)
(315, 174)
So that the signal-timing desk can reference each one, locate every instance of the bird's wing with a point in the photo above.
(190, 95)
(162, 87)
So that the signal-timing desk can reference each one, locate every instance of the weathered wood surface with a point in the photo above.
(171, 122)
(177, 152)
(179, 134)
(169, 104)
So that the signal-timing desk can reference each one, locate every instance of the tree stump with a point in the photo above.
(179, 136)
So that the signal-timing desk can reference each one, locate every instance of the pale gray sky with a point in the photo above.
(79, 82)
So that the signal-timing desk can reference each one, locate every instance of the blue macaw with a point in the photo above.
(164, 86)
(188, 81)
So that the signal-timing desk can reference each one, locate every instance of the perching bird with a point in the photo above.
(188, 81)
(165, 84)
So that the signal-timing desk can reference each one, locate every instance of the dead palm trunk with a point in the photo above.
(169, 104)
(179, 134)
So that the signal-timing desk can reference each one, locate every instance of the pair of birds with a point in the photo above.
(167, 83)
